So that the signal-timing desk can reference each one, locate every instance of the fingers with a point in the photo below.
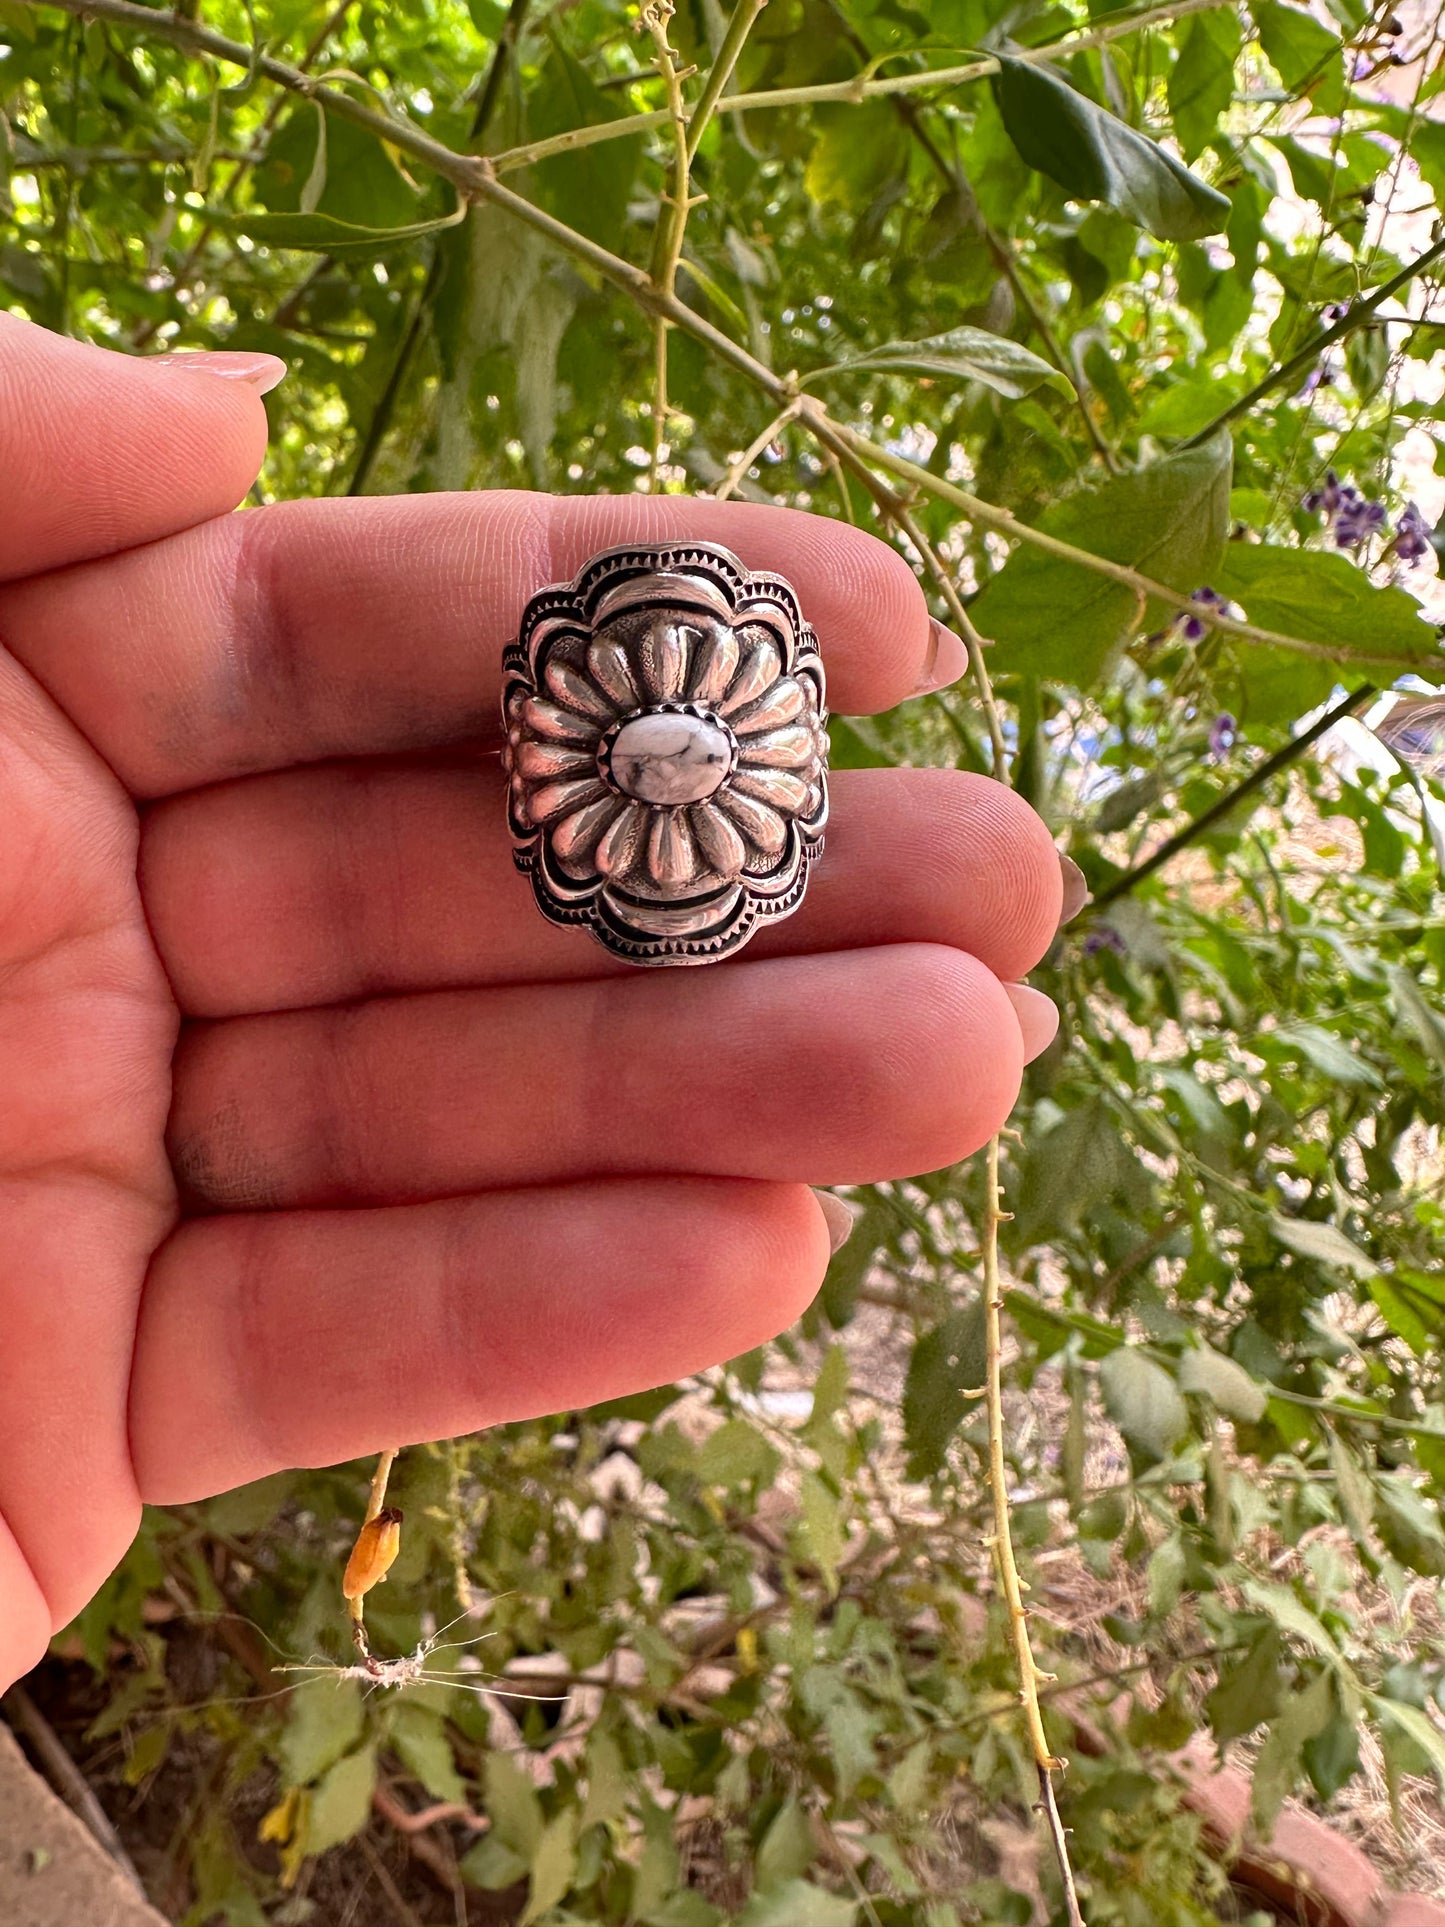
(837, 1069)
(303, 1338)
(344, 628)
(100, 450)
(25, 1624)
(319, 885)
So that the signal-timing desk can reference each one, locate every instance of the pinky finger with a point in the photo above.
(309, 1337)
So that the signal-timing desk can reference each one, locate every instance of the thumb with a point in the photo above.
(100, 451)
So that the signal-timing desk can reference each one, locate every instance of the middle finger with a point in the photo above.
(363, 879)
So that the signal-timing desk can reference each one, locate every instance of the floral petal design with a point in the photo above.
(672, 858)
(665, 750)
(780, 788)
(543, 761)
(664, 654)
(609, 668)
(622, 845)
(574, 691)
(786, 699)
(575, 838)
(761, 666)
(764, 828)
(723, 850)
(715, 665)
(557, 725)
(792, 747)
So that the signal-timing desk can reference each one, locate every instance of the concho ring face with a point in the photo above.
(666, 751)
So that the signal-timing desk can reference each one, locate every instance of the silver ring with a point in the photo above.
(666, 750)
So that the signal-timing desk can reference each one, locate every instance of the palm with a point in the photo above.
(87, 1025)
(440, 1164)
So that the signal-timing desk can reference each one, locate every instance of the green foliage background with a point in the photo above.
(1224, 1260)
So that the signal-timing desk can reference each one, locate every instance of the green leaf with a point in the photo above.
(1166, 1575)
(1210, 1374)
(947, 1363)
(1096, 157)
(1201, 82)
(324, 233)
(1318, 596)
(340, 1804)
(1328, 1053)
(325, 1722)
(1291, 1615)
(1061, 620)
(736, 1454)
(1143, 1401)
(1325, 1243)
(859, 154)
(796, 1904)
(1419, 1013)
(589, 189)
(553, 1865)
(820, 1530)
(606, 1781)
(1248, 1691)
(513, 1806)
(346, 173)
(965, 354)
(1417, 1727)
(1305, 1716)
(786, 1851)
(419, 1735)
(1410, 1528)
(1306, 55)
(1412, 1304)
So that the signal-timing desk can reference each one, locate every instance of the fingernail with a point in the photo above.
(1038, 1017)
(261, 372)
(946, 661)
(841, 1218)
(1076, 889)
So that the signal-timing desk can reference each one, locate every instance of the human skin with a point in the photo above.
(314, 1136)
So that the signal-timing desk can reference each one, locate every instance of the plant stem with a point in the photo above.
(741, 24)
(738, 469)
(1304, 358)
(1289, 753)
(671, 223)
(1012, 1585)
(376, 1499)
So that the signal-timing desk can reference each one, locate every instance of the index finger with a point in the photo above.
(340, 628)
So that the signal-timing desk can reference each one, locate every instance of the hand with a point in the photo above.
(315, 1137)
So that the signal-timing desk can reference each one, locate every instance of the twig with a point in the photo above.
(1303, 358)
(376, 1499)
(401, 1906)
(1289, 753)
(738, 469)
(672, 213)
(744, 15)
(67, 1779)
(1012, 1585)
(442, 1866)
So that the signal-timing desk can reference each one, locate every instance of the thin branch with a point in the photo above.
(1029, 1672)
(375, 1500)
(1304, 358)
(1289, 753)
(738, 469)
(672, 213)
(474, 179)
(744, 16)
(850, 93)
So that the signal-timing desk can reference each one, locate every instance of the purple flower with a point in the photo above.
(1322, 375)
(1222, 733)
(1412, 534)
(1329, 499)
(1357, 521)
(1352, 519)
(1103, 937)
(1194, 627)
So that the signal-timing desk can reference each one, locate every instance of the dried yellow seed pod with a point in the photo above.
(372, 1557)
